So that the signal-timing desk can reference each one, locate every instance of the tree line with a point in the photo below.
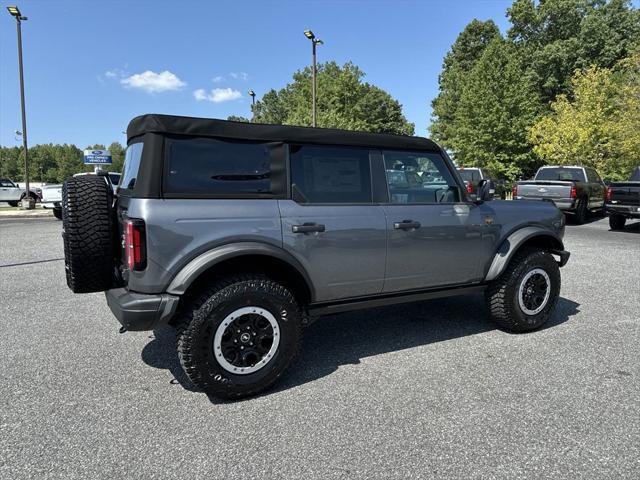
(52, 163)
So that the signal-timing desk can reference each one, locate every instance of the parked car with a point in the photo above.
(471, 177)
(623, 201)
(239, 234)
(575, 190)
(12, 193)
(52, 194)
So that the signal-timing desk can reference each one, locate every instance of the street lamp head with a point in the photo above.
(251, 93)
(318, 42)
(309, 34)
(14, 11)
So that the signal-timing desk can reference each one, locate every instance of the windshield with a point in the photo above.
(469, 175)
(560, 173)
(131, 165)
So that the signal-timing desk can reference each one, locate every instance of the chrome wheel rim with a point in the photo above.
(534, 291)
(246, 340)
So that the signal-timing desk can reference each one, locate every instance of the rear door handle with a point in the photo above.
(406, 225)
(307, 228)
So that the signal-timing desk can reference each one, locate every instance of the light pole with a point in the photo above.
(27, 202)
(252, 94)
(314, 42)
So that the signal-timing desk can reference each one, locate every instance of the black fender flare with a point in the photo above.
(514, 241)
(192, 270)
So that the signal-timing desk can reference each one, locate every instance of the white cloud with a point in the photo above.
(111, 74)
(217, 79)
(153, 82)
(239, 76)
(217, 95)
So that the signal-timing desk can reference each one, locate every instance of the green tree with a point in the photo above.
(344, 101)
(117, 156)
(497, 105)
(237, 118)
(458, 63)
(598, 126)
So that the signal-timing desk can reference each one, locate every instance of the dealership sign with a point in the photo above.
(97, 157)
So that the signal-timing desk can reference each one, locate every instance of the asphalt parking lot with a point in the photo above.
(424, 390)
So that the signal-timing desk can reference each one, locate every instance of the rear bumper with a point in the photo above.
(564, 204)
(631, 211)
(139, 311)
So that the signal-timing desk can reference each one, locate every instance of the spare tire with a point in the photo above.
(88, 233)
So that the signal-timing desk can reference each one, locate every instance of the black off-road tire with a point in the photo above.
(617, 222)
(201, 316)
(13, 204)
(57, 212)
(88, 233)
(502, 294)
(581, 211)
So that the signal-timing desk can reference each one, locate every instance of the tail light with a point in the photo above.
(469, 187)
(514, 191)
(573, 193)
(609, 194)
(134, 243)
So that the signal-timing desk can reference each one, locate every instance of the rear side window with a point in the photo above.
(131, 165)
(218, 167)
(330, 174)
(567, 174)
(469, 175)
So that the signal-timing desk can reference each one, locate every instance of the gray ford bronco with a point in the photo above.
(240, 234)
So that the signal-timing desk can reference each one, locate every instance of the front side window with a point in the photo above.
(218, 167)
(6, 183)
(419, 178)
(131, 165)
(330, 174)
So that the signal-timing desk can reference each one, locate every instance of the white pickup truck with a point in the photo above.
(12, 193)
(52, 194)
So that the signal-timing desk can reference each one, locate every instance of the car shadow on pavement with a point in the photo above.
(346, 338)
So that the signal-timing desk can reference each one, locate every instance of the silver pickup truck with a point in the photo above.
(575, 190)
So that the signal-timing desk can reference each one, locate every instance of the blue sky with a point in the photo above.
(91, 66)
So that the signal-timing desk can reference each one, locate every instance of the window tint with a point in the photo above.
(593, 176)
(419, 178)
(131, 165)
(6, 183)
(330, 174)
(218, 167)
(561, 173)
(469, 175)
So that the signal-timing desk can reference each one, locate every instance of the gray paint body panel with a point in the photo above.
(180, 230)
(348, 258)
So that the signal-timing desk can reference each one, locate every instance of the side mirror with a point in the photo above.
(485, 190)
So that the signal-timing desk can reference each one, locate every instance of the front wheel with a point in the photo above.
(616, 222)
(239, 336)
(525, 295)
(13, 204)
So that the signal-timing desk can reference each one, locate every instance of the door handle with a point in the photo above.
(406, 225)
(307, 228)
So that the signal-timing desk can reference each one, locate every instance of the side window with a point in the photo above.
(593, 176)
(131, 165)
(330, 174)
(419, 178)
(217, 167)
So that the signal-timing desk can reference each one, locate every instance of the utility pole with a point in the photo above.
(314, 42)
(27, 202)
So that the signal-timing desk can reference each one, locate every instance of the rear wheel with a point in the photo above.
(524, 296)
(239, 336)
(13, 204)
(57, 212)
(617, 222)
(581, 211)
(88, 233)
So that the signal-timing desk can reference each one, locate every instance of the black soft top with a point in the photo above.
(208, 127)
